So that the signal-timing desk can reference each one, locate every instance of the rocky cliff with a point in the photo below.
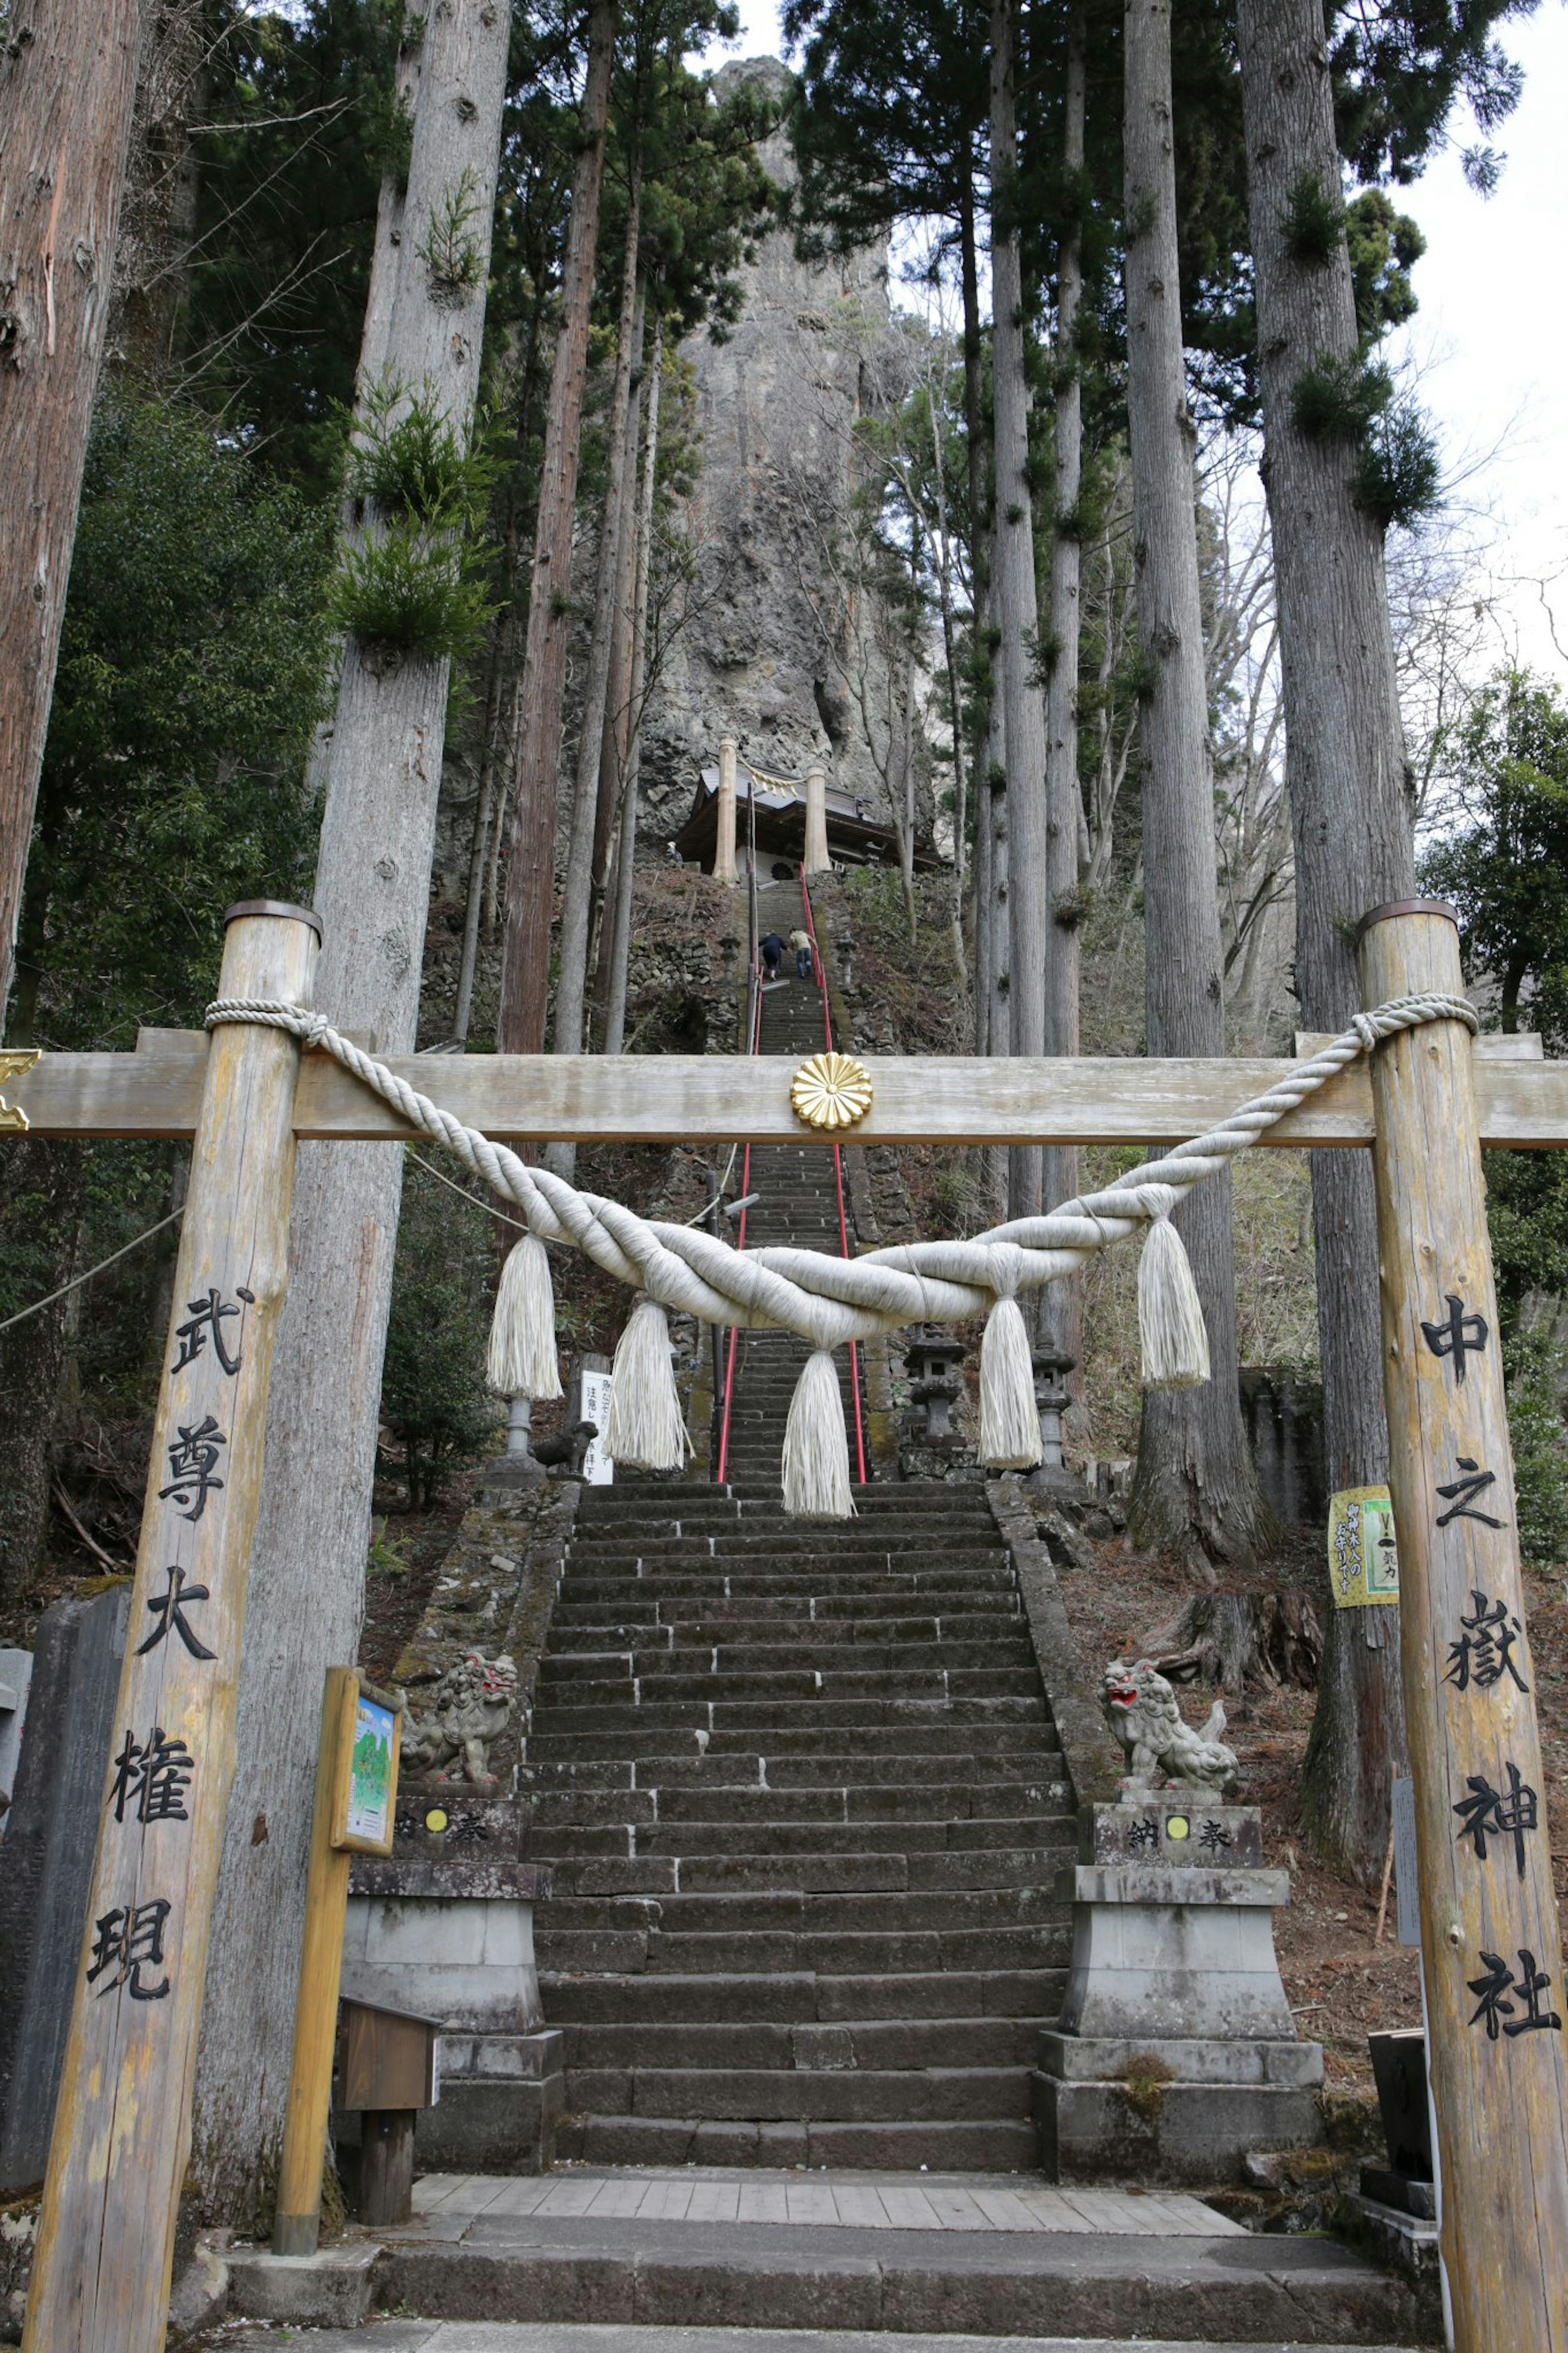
(776, 648)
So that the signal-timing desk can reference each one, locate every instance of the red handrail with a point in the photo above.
(838, 1178)
(752, 1044)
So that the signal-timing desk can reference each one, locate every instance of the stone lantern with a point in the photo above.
(933, 1357)
(1051, 1397)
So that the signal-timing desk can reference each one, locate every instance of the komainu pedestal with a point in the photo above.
(1177, 2054)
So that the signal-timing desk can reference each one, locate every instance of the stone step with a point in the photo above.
(881, 2043)
(729, 1905)
(754, 1717)
(928, 1738)
(800, 1997)
(660, 1684)
(636, 1497)
(762, 2289)
(1041, 1763)
(852, 1802)
(571, 1659)
(936, 1587)
(1008, 2145)
(915, 1952)
(810, 1843)
(974, 1547)
(794, 2095)
(577, 1627)
(867, 1836)
(640, 1875)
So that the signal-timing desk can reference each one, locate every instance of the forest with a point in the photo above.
(353, 489)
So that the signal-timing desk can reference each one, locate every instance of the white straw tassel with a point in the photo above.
(816, 1445)
(1009, 1419)
(523, 1360)
(643, 1428)
(1170, 1313)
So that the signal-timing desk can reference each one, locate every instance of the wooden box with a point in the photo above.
(389, 2059)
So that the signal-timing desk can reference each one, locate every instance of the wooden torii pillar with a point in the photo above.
(122, 2133)
(1496, 2002)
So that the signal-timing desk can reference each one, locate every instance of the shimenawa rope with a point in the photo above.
(828, 1300)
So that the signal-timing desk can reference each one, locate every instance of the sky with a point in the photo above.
(1488, 346)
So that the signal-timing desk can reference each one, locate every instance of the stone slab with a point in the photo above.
(558, 2336)
(468, 1960)
(558, 2268)
(1171, 1826)
(46, 1877)
(330, 2289)
(1167, 1881)
(1174, 2132)
(1186, 1971)
(447, 1880)
(1104, 2059)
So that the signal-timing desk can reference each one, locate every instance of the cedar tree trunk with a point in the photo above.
(620, 952)
(1014, 611)
(571, 988)
(1350, 805)
(67, 85)
(1196, 1488)
(1061, 1309)
(530, 873)
(380, 764)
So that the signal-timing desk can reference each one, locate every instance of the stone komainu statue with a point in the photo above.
(449, 1737)
(1141, 1709)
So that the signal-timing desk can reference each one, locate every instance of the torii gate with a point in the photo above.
(1489, 1933)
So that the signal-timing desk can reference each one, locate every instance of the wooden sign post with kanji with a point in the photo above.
(1496, 2000)
(123, 2127)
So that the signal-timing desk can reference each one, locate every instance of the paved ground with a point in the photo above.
(562, 2336)
(447, 2204)
(655, 2260)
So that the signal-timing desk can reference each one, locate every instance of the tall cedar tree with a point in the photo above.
(378, 769)
(1014, 609)
(1395, 75)
(68, 81)
(1350, 812)
(1196, 1488)
(530, 872)
(1061, 1314)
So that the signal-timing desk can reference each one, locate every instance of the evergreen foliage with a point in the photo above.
(1396, 470)
(435, 1405)
(1504, 865)
(413, 582)
(192, 674)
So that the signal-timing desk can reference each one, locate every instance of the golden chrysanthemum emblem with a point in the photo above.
(831, 1091)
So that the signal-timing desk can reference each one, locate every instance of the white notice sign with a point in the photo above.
(598, 1471)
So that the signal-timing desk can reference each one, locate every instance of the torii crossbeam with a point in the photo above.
(1491, 1941)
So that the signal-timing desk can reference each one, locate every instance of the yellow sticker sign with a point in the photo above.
(1363, 1565)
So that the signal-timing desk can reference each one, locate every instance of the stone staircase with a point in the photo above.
(801, 1798)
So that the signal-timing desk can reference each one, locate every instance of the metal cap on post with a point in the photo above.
(1489, 1939)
